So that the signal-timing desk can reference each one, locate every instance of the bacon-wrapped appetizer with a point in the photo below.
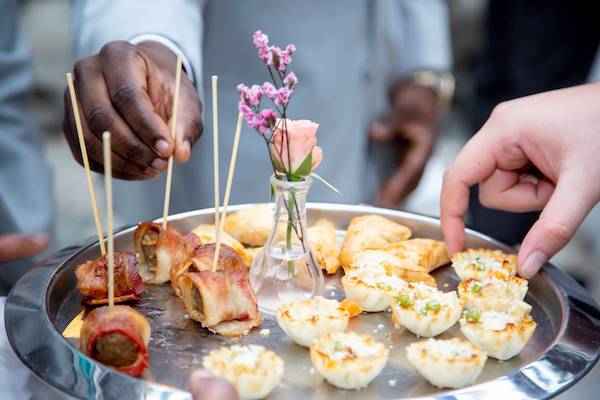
(208, 234)
(92, 279)
(160, 249)
(118, 337)
(222, 301)
(201, 260)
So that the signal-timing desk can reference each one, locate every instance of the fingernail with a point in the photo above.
(185, 149)
(159, 164)
(200, 374)
(162, 146)
(533, 263)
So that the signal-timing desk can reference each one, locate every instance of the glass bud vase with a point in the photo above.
(286, 270)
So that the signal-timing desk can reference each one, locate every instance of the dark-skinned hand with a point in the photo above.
(128, 90)
(411, 127)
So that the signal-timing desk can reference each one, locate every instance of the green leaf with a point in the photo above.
(305, 167)
(277, 164)
(272, 192)
(324, 182)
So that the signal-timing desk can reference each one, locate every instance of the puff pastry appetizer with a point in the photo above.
(392, 263)
(118, 337)
(252, 225)
(482, 263)
(307, 320)
(348, 360)
(450, 363)
(426, 311)
(160, 249)
(252, 369)
(420, 254)
(502, 335)
(92, 279)
(324, 244)
(372, 287)
(497, 292)
(370, 232)
(208, 234)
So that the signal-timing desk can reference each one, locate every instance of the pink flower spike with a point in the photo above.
(260, 40)
(283, 96)
(269, 90)
(268, 115)
(290, 81)
(290, 49)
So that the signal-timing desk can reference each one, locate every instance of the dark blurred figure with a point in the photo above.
(25, 179)
(530, 46)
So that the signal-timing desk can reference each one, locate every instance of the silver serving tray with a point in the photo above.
(565, 346)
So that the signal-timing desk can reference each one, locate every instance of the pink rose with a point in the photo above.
(302, 135)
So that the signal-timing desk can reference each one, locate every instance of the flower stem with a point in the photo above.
(290, 225)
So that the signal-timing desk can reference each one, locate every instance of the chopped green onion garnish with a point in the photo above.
(403, 300)
(473, 315)
(337, 346)
(475, 287)
(433, 305)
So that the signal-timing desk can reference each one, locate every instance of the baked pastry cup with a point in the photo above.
(348, 360)
(426, 311)
(370, 232)
(252, 369)
(494, 293)
(306, 320)
(502, 334)
(483, 263)
(372, 288)
(450, 363)
(324, 244)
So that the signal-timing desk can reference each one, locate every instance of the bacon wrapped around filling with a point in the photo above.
(160, 249)
(117, 337)
(222, 301)
(92, 279)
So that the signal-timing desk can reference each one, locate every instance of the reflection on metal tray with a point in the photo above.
(565, 346)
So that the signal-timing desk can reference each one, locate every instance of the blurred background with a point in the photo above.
(46, 23)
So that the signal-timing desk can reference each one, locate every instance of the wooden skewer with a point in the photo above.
(86, 163)
(215, 110)
(109, 217)
(173, 130)
(234, 151)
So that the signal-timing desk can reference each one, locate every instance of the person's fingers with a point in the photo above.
(122, 167)
(474, 163)
(14, 246)
(189, 121)
(205, 386)
(100, 116)
(126, 74)
(514, 191)
(409, 172)
(380, 132)
(567, 208)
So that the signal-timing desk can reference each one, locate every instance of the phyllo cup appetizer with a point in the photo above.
(251, 225)
(426, 311)
(372, 288)
(450, 363)
(252, 369)
(420, 254)
(497, 292)
(483, 263)
(348, 360)
(502, 334)
(306, 320)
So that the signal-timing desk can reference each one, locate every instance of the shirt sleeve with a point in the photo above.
(178, 22)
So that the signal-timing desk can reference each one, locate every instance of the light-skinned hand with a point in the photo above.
(14, 246)
(205, 386)
(540, 152)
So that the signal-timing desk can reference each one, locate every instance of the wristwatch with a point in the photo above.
(441, 82)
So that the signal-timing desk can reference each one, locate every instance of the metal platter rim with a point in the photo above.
(565, 361)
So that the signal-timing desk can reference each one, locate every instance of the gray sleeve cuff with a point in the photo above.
(171, 45)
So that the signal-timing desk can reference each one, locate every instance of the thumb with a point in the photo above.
(380, 132)
(205, 386)
(567, 208)
(14, 246)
